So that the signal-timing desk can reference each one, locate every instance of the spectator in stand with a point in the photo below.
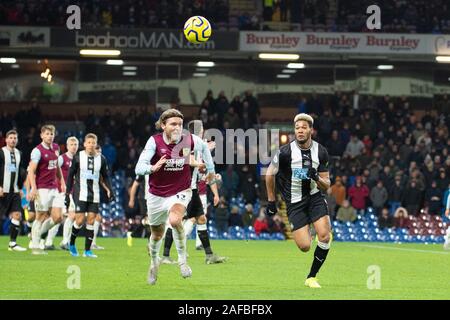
(331, 203)
(395, 194)
(221, 107)
(378, 196)
(248, 186)
(235, 217)
(346, 212)
(253, 107)
(442, 181)
(248, 217)
(401, 218)
(335, 146)
(237, 105)
(230, 182)
(221, 215)
(276, 225)
(338, 191)
(412, 198)
(354, 147)
(433, 198)
(261, 224)
(385, 220)
(232, 118)
(110, 152)
(358, 195)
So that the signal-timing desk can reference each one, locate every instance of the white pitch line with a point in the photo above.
(403, 249)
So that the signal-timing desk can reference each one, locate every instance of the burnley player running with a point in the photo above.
(196, 210)
(44, 175)
(166, 158)
(86, 170)
(11, 183)
(300, 170)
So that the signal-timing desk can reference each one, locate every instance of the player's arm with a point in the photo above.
(321, 176)
(133, 190)
(2, 170)
(35, 158)
(104, 174)
(143, 166)
(202, 146)
(272, 170)
(74, 167)
(60, 176)
(447, 207)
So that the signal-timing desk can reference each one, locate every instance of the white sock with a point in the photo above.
(188, 226)
(200, 227)
(96, 228)
(67, 230)
(47, 225)
(36, 234)
(179, 238)
(155, 246)
(52, 234)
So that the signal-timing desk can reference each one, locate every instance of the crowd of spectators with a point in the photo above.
(382, 154)
(107, 13)
(412, 16)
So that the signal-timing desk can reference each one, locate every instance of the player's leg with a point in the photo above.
(154, 247)
(176, 214)
(55, 204)
(202, 231)
(14, 232)
(97, 223)
(168, 241)
(188, 226)
(323, 229)
(67, 230)
(302, 238)
(68, 223)
(91, 216)
(447, 239)
(36, 232)
(80, 217)
(30, 220)
(51, 235)
(157, 218)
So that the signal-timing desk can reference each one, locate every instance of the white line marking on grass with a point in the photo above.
(403, 249)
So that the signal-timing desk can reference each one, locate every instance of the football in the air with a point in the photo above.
(197, 29)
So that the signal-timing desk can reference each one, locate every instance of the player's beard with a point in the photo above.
(175, 136)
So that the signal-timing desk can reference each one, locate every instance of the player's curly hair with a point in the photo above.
(170, 113)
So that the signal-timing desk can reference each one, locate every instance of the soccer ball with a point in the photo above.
(197, 29)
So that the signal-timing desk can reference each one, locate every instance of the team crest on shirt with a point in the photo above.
(186, 152)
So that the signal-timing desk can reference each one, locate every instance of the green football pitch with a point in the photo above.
(265, 270)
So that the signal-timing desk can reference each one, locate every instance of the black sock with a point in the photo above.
(73, 235)
(204, 238)
(89, 238)
(13, 232)
(168, 240)
(319, 258)
(44, 235)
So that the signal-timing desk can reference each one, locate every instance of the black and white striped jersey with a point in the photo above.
(85, 174)
(11, 173)
(292, 165)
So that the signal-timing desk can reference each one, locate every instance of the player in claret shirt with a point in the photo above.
(166, 157)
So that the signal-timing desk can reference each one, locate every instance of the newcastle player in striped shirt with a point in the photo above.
(86, 170)
(300, 170)
(11, 183)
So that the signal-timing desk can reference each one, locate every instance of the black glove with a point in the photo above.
(67, 201)
(271, 209)
(112, 197)
(313, 174)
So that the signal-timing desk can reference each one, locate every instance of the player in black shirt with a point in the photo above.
(300, 170)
